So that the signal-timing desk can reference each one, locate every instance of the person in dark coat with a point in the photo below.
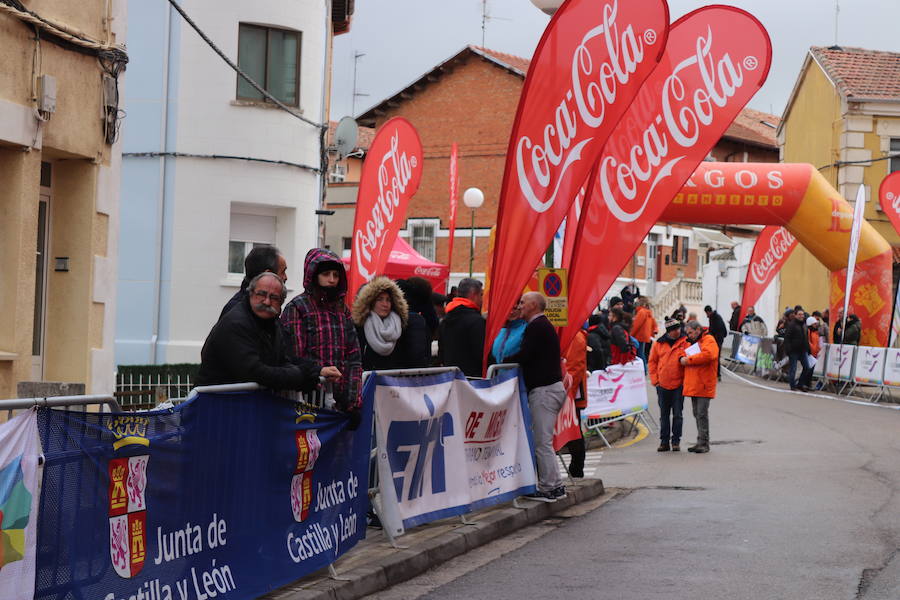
(735, 322)
(381, 316)
(419, 331)
(248, 345)
(260, 259)
(718, 330)
(853, 331)
(461, 333)
(629, 294)
(796, 346)
(598, 341)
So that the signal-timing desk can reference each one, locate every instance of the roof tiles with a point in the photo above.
(860, 73)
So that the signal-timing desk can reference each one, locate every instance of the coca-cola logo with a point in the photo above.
(395, 170)
(779, 245)
(593, 88)
(684, 114)
(427, 271)
(894, 199)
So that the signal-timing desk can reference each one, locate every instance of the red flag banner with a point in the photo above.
(390, 176)
(772, 249)
(889, 196)
(586, 69)
(454, 190)
(716, 58)
(571, 232)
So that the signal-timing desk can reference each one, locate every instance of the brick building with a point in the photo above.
(471, 99)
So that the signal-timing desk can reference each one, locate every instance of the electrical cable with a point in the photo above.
(220, 156)
(841, 163)
(238, 70)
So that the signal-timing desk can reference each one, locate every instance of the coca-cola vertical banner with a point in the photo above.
(454, 190)
(716, 58)
(889, 196)
(390, 176)
(586, 69)
(772, 249)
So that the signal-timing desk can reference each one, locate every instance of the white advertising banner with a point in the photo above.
(615, 391)
(19, 453)
(869, 365)
(447, 446)
(840, 361)
(892, 367)
(819, 367)
(748, 348)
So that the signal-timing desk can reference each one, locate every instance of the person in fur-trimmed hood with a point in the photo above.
(319, 324)
(380, 314)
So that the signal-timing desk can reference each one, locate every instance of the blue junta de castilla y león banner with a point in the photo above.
(226, 496)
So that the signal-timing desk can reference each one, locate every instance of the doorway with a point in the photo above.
(41, 267)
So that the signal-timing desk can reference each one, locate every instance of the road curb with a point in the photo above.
(390, 566)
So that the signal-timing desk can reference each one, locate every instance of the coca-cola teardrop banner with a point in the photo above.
(716, 58)
(889, 196)
(772, 249)
(390, 176)
(587, 68)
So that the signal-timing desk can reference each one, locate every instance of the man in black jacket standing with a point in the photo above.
(718, 330)
(539, 358)
(796, 346)
(248, 344)
(461, 333)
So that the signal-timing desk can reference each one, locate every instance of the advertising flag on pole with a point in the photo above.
(716, 59)
(772, 249)
(587, 68)
(19, 452)
(454, 190)
(390, 177)
(889, 197)
(858, 211)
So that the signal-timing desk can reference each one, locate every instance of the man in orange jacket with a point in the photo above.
(643, 327)
(667, 374)
(701, 362)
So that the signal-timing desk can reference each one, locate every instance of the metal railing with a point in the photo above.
(67, 402)
(144, 390)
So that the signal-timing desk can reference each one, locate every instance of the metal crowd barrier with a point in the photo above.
(107, 402)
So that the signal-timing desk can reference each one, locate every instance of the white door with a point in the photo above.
(40, 286)
(652, 249)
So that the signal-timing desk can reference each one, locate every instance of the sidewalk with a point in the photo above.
(374, 565)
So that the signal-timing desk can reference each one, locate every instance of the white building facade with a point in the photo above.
(189, 214)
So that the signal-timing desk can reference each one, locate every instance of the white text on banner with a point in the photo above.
(617, 390)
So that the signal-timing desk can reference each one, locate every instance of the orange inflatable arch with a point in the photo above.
(798, 197)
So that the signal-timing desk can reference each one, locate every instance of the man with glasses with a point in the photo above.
(248, 344)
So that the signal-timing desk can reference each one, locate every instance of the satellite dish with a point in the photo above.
(345, 136)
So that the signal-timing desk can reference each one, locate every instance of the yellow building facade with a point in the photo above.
(843, 117)
(59, 165)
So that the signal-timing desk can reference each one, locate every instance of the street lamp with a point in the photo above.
(548, 6)
(473, 198)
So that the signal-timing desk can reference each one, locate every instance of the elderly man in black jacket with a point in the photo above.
(796, 346)
(461, 333)
(539, 358)
(248, 344)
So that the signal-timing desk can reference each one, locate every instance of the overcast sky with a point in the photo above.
(403, 39)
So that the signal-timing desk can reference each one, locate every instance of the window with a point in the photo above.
(247, 232)
(422, 234)
(680, 247)
(346, 246)
(337, 174)
(271, 57)
(895, 150)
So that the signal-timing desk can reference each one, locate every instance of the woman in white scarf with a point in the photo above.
(380, 314)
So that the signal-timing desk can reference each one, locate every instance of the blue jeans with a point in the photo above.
(805, 375)
(670, 401)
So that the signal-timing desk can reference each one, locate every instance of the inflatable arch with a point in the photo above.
(798, 197)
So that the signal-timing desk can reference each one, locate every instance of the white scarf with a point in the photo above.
(382, 334)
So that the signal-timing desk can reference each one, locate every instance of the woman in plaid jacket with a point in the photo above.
(318, 323)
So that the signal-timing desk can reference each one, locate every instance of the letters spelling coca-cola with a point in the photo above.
(780, 244)
(427, 271)
(394, 173)
(720, 81)
(591, 91)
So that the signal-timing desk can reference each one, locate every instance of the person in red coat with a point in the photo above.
(700, 363)
(667, 374)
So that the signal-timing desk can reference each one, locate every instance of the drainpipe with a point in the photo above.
(323, 119)
(164, 190)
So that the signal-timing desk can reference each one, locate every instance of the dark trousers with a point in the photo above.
(805, 375)
(671, 404)
(577, 450)
(700, 408)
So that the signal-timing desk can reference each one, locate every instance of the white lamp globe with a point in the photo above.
(473, 197)
(548, 6)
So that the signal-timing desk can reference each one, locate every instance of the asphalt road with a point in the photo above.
(798, 499)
